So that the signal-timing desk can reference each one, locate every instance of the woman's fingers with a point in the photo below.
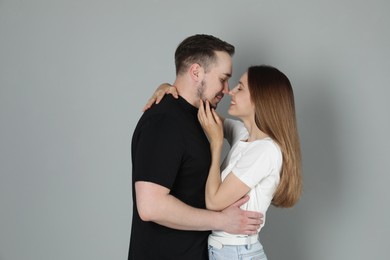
(208, 111)
(201, 112)
(206, 115)
(159, 94)
(149, 103)
(216, 117)
(211, 114)
(173, 91)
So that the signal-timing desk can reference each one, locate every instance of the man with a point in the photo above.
(171, 159)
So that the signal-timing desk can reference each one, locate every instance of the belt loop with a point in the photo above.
(215, 243)
(248, 243)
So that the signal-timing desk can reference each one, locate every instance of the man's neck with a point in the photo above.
(187, 91)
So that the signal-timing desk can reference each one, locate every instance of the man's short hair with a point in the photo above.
(199, 48)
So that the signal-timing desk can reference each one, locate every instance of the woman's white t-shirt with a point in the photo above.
(257, 164)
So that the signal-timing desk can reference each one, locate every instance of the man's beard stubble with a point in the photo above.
(200, 94)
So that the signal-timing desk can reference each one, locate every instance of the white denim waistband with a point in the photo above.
(219, 242)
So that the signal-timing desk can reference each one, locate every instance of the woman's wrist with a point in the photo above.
(216, 145)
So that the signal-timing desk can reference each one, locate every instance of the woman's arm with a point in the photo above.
(160, 92)
(219, 195)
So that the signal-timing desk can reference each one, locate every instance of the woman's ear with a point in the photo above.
(196, 72)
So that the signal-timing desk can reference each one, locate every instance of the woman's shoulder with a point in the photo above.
(266, 149)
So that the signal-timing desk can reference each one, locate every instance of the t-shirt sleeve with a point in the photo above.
(158, 151)
(257, 163)
(234, 130)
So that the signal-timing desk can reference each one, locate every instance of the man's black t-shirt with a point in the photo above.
(169, 148)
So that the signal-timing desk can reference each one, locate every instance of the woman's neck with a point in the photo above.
(254, 132)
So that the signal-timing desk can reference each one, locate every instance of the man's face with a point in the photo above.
(215, 83)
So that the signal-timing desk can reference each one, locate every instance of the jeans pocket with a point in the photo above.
(254, 255)
(211, 253)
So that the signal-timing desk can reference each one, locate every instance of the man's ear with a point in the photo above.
(196, 72)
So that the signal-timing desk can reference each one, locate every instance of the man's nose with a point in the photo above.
(226, 88)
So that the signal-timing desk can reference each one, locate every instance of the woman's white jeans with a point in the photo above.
(244, 252)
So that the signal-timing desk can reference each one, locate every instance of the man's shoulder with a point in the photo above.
(160, 122)
(167, 105)
(169, 108)
(167, 111)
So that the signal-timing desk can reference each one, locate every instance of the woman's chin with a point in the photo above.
(231, 112)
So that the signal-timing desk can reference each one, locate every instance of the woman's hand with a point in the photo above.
(211, 123)
(160, 92)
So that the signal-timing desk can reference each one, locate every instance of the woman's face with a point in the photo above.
(241, 105)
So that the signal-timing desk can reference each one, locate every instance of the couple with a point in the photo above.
(176, 149)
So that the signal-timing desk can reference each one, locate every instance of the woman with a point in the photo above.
(264, 161)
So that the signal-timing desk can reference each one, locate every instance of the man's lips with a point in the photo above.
(219, 96)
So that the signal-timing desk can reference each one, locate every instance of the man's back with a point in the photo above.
(170, 149)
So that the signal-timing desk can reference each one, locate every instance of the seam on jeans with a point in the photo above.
(252, 254)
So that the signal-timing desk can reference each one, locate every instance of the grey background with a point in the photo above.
(74, 76)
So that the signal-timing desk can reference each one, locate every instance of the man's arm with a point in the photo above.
(154, 203)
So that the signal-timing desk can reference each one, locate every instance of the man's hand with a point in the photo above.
(238, 221)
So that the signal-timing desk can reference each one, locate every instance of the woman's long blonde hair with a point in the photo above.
(273, 97)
